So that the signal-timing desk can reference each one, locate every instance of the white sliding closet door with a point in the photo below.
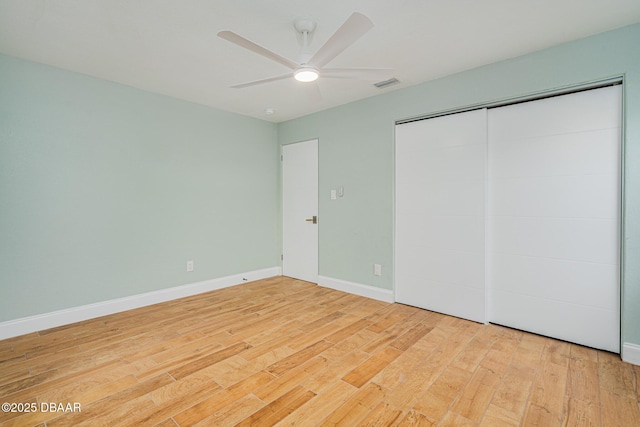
(553, 225)
(440, 214)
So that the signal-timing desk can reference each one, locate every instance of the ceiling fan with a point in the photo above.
(308, 67)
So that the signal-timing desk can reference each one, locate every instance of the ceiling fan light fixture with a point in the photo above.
(306, 74)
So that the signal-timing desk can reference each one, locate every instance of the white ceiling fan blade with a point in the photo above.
(353, 28)
(357, 73)
(248, 44)
(258, 82)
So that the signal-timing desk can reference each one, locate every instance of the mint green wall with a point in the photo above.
(356, 151)
(106, 191)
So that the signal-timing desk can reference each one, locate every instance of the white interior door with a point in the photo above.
(299, 208)
(553, 224)
(440, 214)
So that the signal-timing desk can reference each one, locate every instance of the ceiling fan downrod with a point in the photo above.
(305, 73)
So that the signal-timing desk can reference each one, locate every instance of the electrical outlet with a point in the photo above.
(377, 269)
(190, 265)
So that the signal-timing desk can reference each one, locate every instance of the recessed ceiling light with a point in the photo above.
(269, 111)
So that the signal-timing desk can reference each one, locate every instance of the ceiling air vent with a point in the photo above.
(386, 83)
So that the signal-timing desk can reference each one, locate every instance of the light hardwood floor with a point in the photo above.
(282, 351)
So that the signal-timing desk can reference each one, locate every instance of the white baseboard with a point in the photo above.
(25, 325)
(631, 353)
(356, 288)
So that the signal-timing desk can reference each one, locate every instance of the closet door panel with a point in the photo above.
(568, 196)
(564, 320)
(538, 278)
(444, 198)
(444, 297)
(452, 233)
(590, 152)
(570, 239)
(440, 208)
(553, 116)
(444, 265)
(553, 216)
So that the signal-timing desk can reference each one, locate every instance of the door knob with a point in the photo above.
(314, 219)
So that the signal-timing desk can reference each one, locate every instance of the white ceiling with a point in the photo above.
(170, 46)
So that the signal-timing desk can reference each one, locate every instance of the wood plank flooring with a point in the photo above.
(285, 352)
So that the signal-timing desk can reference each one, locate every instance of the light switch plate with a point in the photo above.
(377, 269)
